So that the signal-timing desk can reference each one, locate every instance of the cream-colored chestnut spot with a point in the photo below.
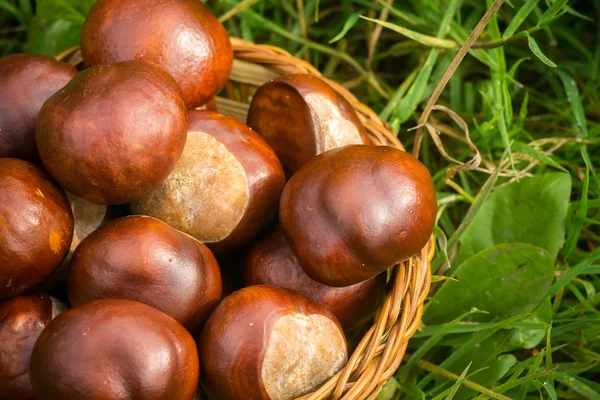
(207, 193)
(303, 351)
(332, 128)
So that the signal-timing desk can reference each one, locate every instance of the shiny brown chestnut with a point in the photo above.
(182, 36)
(301, 116)
(22, 320)
(225, 187)
(271, 262)
(36, 226)
(114, 349)
(114, 133)
(267, 343)
(353, 212)
(143, 259)
(26, 82)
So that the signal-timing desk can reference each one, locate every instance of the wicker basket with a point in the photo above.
(380, 352)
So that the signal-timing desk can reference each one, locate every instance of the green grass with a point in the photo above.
(525, 225)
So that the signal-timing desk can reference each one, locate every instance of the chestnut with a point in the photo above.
(301, 116)
(353, 212)
(225, 187)
(114, 349)
(264, 342)
(114, 132)
(143, 259)
(26, 82)
(182, 36)
(22, 320)
(271, 262)
(36, 226)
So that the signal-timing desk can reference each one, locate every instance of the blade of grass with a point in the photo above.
(454, 388)
(536, 154)
(350, 22)
(519, 18)
(577, 386)
(535, 49)
(426, 40)
(574, 271)
(577, 219)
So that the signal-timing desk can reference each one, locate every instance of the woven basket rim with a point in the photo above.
(380, 352)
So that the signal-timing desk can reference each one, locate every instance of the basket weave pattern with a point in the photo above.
(379, 353)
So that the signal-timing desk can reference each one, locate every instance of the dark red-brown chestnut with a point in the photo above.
(114, 133)
(271, 262)
(26, 82)
(114, 349)
(182, 36)
(353, 212)
(36, 226)
(225, 187)
(22, 320)
(143, 259)
(267, 343)
(301, 116)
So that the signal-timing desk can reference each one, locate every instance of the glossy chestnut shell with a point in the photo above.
(26, 82)
(224, 189)
(143, 259)
(36, 226)
(271, 262)
(114, 133)
(182, 36)
(353, 212)
(114, 349)
(264, 342)
(22, 320)
(301, 116)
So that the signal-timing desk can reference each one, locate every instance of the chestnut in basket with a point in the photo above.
(143, 259)
(225, 187)
(263, 342)
(301, 116)
(271, 262)
(26, 82)
(180, 35)
(114, 133)
(114, 349)
(36, 226)
(353, 212)
(22, 320)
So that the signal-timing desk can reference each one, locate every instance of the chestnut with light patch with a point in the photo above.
(225, 187)
(301, 116)
(268, 343)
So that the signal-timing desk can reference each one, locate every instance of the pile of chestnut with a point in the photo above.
(152, 248)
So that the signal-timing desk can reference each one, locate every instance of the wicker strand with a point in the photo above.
(379, 353)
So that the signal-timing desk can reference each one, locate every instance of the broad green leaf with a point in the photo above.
(505, 280)
(350, 22)
(535, 49)
(524, 338)
(531, 211)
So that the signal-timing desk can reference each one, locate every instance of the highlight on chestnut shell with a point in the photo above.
(36, 229)
(225, 187)
(26, 82)
(114, 349)
(182, 36)
(270, 261)
(143, 259)
(267, 343)
(301, 116)
(354, 212)
(22, 320)
(114, 133)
